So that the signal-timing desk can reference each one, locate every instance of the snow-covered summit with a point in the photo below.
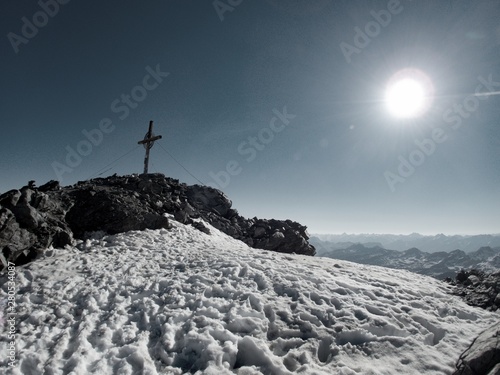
(181, 301)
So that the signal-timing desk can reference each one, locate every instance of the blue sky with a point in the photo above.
(262, 95)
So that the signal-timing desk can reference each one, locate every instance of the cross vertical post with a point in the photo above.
(148, 142)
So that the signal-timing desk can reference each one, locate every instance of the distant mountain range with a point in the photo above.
(439, 264)
(431, 244)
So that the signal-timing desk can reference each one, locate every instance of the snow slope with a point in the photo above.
(180, 301)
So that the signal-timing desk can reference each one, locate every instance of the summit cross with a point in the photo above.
(148, 142)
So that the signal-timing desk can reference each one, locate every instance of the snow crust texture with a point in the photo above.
(180, 301)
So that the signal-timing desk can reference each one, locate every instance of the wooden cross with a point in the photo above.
(148, 142)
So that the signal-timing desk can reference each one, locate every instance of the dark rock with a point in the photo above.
(201, 227)
(102, 208)
(473, 280)
(50, 186)
(483, 356)
(62, 238)
(282, 236)
(10, 198)
(462, 276)
(259, 232)
(478, 288)
(27, 216)
(14, 240)
(32, 219)
(185, 213)
(207, 198)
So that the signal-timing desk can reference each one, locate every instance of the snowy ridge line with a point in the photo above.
(181, 301)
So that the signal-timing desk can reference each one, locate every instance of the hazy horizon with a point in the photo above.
(404, 234)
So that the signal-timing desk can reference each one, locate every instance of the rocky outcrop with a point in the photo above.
(478, 288)
(483, 356)
(277, 235)
(112, 210)
(32, 219)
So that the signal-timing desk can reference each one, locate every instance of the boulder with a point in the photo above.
(10, 198)
(483, 356)
(209, 199)
(478, 288)
(105, 209)
(50, 186)
(31, 221)
(14, 240)
(282, 236)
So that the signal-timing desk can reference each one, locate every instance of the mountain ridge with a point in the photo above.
(35, 218)
(435, 243)
(439, 265)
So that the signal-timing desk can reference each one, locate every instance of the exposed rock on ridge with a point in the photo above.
(32, 219)
(478, 288)
(483, 356)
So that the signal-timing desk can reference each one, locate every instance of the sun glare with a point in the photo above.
(408, 93)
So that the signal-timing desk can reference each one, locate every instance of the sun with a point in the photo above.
(408, 93)
(405, 98)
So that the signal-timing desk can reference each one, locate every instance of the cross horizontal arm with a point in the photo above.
(149, 140)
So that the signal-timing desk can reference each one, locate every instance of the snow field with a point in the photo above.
(180, 301)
